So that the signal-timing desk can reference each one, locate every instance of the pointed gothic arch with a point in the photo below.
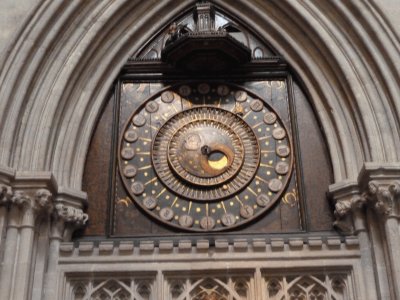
(325, 73)
(55, 77)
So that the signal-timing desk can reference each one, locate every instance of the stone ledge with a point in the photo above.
(126, 248)
(240, 245)
(202, 245)
(166, 246)
(315, 243)
(259, 244)
(184, 247)
(146, 246)
(106, 247)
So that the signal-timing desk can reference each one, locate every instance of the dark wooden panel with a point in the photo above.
(96, 177)
(285, 216)
(317, 170)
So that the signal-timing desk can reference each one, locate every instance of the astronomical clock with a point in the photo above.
(205, 156)
(206, 133)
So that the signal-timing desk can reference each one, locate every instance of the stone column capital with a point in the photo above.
(5, 194)
(33, 204)
(68, 213)
(349, 204)
(72, 215)
(20, 199)
(380, 184)
(384, 197)
(38, 200)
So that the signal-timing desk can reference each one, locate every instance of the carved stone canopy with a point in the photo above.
(205, 49)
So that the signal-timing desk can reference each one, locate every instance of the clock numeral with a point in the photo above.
(278, 133)
(207, 223)
(167, 97)
(275, 185)
(269, 118)
(131, 136)
(256, 105)
(130, 171)
(241, 96)
(203, 88)
(150, 202)
(222, 90)
(263, 200)
(186, 221)
(185, 90)
(166, 214)
(139, 120)
(282, 168)
(127, 153)
(151, 106)
(137, 188)
(246, 211)
(228, 219)
(283, 150)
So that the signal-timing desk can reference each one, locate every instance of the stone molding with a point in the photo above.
(269, 258)
(186, 248)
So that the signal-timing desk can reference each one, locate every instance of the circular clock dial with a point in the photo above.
(205, 157)
(205, 153)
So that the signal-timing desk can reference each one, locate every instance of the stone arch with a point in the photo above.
(57, 79)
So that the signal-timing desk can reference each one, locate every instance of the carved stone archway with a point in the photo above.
(57, 71)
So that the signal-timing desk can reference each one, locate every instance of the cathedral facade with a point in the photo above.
(179, 150)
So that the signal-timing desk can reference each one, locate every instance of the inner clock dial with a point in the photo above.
(205, 153)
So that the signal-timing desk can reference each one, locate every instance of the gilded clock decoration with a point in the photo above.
(205, 156)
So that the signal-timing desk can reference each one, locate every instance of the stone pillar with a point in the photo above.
(350, 213)
(6, 176)
(5, 197)
(11, 243)
(65, 220)
(380, 186)
(33, 208)
(27, 203)
(384, 198)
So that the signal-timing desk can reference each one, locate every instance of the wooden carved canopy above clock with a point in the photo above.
(207, 131)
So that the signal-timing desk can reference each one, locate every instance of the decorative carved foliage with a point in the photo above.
(210, 288)
(307, 287)
(71, 214)
(113, 289)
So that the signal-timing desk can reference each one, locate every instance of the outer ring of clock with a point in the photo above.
(139, 198)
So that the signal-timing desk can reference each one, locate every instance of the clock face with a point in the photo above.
(205, 157)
